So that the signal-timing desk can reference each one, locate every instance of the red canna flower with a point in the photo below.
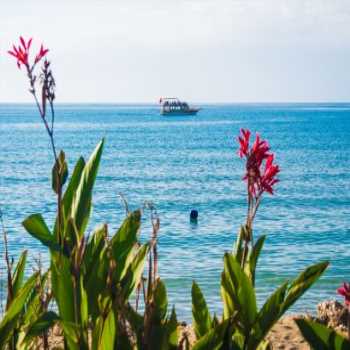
(345, 292)
(40, 54)
(260, 150)
(244, 143)
(268, 178)
(258, 181)
(21, 53)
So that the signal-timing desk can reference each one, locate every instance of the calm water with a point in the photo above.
(181, 163)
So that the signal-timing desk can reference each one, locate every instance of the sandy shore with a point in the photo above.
(285, 334)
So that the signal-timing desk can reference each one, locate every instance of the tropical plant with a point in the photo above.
(24, 299)
(321, 337)
(243, 325)
(93, 278)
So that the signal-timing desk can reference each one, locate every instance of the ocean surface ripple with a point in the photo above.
(181, 163)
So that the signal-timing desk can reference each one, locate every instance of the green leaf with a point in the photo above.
(163, 335)
(18, 274)
(242, 292)
(135, 270)
(36, 226)
(42, 324)
(105, 333)
(268, 315)
(81, 205)
(238, 250)
(228, 295)
(67, 199)
(9, 321)
(123, 243)
(160, 301)
(172, 324)
(200, 313)
(94, 248)
(62, 287)
(214, 339)
(320, 337)
(84, 312)
(254, 256)
(69, 194)
(303, 282)
(95, 281)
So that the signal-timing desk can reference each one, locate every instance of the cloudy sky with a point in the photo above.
(214, 51)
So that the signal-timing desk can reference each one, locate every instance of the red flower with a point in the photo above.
(21, 53)
(244, 143)
(259, 150)
(268, 179)
(40, 54)
(258, 180)
(345, 292)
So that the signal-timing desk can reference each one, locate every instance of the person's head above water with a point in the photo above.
(194, 214)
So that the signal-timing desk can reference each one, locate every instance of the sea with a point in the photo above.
(182, 163)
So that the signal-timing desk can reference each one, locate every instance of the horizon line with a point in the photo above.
(195, 102)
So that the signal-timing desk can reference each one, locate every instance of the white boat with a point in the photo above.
(173, 106)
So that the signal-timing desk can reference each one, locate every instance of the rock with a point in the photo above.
(333, 314)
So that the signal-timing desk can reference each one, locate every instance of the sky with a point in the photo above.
(203, 51)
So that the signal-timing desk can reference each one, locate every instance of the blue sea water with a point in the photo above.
(181, 163)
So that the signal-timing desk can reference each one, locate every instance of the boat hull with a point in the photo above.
(179, 113)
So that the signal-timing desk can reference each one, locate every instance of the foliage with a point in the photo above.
(243, 326)
(321, 337)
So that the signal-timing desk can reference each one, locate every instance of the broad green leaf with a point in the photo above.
(69, 194)
(42, 324)
(172, 324)
(93, 248)
(84, 312)
(238, 250)
(73, 184)
(163, 333)
(105, 333)
(9, 321)
(268, 315)
(18, 274)
(81, 205)
(214, 339)
(200, 313)
(160, 301)
(123, 243)
(133, 276)
(243, 290)
(36, 226)
(321, 337)
(253, 258)
(95, 281)
(228, 295)
(62, 287)
(303, 282)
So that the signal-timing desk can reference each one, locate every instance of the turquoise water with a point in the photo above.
(181, 163)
